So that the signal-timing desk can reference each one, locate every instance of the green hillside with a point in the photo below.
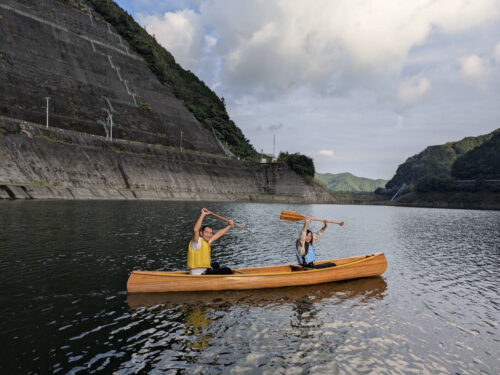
(348, 182)
(434, 161)
(206, 106)
(482, 162)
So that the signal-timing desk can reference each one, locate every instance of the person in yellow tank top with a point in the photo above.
(199, 249)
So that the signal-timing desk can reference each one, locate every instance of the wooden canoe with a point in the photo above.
(257, 278)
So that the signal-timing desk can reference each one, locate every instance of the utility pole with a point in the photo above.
(274, 144)
(47, 117)
(109, 122)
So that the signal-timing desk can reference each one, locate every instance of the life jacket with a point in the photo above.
(199, 258)
(308, 258)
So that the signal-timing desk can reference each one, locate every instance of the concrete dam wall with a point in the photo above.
(41, 163)
(49, 49)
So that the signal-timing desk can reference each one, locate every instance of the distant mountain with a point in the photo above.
(435, 161)
(348, 182)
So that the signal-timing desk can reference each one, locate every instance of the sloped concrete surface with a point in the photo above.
(40, 163)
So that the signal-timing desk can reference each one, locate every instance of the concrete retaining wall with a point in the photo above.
(41, 163)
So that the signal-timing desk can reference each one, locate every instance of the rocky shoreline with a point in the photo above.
(463, 200)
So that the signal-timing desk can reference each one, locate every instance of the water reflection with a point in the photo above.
(197, 321)
(366, 289)
(250, 328)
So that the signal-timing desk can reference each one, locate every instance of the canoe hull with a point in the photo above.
(257, 278)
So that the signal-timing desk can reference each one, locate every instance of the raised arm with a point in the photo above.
(321, 231)
(222, 232)
(197, 226)
(302, 238)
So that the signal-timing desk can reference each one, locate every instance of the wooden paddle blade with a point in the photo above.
(291, 216)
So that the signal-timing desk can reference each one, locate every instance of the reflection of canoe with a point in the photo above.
(257, 278)
(366, 288)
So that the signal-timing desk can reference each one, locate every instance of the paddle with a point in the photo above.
(226, 220)
(295, 216)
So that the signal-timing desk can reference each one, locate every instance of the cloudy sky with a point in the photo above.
(358, 85)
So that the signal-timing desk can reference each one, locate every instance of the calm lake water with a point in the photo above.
(64, 306)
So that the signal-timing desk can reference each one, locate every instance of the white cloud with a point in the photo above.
(180, 32)
(329, 154)
(413, 90)
(400, 121)
(496, 53)
(210, 41)
(472, 66)
(272, 48)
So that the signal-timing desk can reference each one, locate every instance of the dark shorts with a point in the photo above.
(218, 270)
(323, 265)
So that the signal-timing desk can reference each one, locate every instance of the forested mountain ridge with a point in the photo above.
(438, 161)
(349, 182)
(481, 162)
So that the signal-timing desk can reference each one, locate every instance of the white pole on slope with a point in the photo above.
(47, 117)
(111, 126)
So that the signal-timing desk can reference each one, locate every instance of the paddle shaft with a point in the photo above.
(226, 220)
(295, 216)
(328, 221)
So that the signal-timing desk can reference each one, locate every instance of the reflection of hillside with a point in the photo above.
(366, 288)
